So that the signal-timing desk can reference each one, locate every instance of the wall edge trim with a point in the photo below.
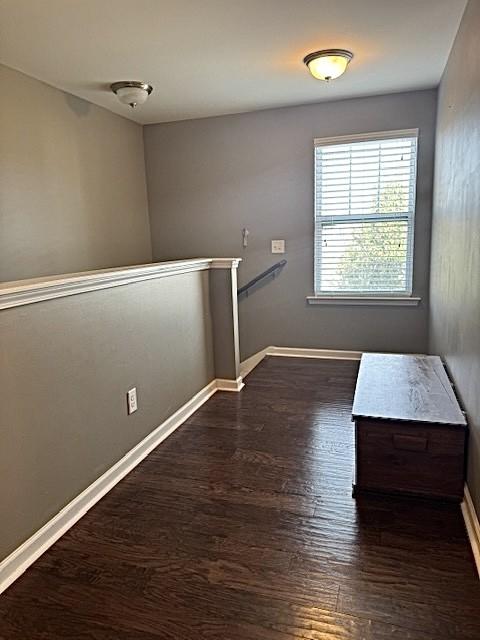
(17, 562)
(472, 525)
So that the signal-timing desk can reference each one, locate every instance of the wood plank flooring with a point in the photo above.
(241, 526)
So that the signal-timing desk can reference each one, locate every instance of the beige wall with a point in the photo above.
(207, 179)
(65, 368)
(72, 183)
(455, 268)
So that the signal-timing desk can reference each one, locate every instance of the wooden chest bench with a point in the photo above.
(410, 433)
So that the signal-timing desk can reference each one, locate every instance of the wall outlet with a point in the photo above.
(278, 246)
(132, 404)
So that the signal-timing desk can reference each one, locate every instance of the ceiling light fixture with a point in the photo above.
(328, 64)
(131, 92)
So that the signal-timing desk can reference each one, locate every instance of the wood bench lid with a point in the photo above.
(405, 387)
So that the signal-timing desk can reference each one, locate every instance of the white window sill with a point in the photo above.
(400, 301)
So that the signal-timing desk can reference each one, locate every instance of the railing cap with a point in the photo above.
(22, 292)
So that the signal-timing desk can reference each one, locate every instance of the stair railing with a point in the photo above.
(270, 271)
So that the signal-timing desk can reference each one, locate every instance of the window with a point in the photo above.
(364, 214)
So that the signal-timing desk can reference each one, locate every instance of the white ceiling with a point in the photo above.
(211, 57)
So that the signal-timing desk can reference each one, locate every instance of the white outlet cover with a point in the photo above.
(132, 404)
(278, 246)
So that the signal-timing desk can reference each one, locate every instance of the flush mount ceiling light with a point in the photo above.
(328, 64)
(131, 92)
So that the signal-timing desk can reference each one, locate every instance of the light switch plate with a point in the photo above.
(132, 404)
(278, 246)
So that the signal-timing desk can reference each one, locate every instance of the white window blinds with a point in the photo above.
(364, 214)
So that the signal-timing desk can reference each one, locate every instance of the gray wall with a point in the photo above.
(224, 305)
(88, 350)
(72, 184)
(455, 269)
(209, 178)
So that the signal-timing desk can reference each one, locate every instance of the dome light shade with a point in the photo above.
(131, 92)
(328, 64)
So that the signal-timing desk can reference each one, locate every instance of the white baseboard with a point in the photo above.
(223, 384)
(295, 352)
(329, 354)
(473, 526)
(250, 363)
(19, 560)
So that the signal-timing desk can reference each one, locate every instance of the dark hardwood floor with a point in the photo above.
(241, 526)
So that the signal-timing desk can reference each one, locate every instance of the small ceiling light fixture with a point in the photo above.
(131, 92)
(328, 64)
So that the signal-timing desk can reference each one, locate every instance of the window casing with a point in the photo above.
(364, 214)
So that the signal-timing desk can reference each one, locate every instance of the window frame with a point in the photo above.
(387, 297)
